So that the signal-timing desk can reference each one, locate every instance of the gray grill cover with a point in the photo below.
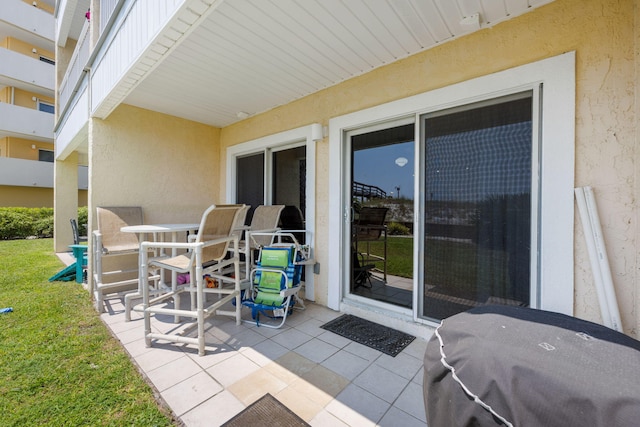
(530, 367)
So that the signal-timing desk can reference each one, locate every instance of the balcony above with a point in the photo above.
(70, 19)
(32, 173)
(27, 23)
(26, 73)
(25, 123)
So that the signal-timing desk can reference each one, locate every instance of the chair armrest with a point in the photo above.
(182, 245)
(267, 232)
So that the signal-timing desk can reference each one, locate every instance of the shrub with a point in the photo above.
(15, 224)
(83, 219)
(397, 229)
(43, 227)
(20, 223)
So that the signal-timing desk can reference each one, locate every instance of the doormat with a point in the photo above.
(266, 411)
(374, 335)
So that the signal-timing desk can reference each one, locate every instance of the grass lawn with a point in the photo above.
(59, 364)
(399, 255)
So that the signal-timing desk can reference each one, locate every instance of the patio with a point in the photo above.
(326, 379)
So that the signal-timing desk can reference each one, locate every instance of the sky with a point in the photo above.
(377, 166)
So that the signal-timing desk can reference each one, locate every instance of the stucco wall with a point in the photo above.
(26, 197)
(20, 148)
(133, 157)
(603, 35)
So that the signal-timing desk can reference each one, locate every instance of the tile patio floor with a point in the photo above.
(326, 379)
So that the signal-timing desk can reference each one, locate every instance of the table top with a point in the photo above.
(159, 228)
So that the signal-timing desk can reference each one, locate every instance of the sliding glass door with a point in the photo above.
(382, 206)
(273, 177)
(477, 179)
(476, 174)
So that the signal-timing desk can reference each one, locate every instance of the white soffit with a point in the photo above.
(254, 55)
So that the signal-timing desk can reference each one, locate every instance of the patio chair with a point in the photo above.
(291, 218)
(275, 282)
(265, 220)
(360, 271)
(109, 246)
(77, 238)
(238, 225)
(369, 227)
(207, 254)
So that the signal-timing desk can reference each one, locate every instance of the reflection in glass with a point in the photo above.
(477, 207)
(382, 185)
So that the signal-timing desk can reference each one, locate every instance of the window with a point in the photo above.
(45, 155)
(46, 107)
(47, 60)
(250, 181)
(277, 169)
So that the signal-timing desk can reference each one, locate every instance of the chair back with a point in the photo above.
(265, 218)
(110, 220)
(370, 223)
(76, 234)
(217, 221)
(240, 219)
(291, 218)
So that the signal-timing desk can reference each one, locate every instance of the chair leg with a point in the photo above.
(99, 300)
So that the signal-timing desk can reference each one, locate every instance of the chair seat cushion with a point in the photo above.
(178, 263)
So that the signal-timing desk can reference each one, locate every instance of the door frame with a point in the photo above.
(557, 141)
(303, 136)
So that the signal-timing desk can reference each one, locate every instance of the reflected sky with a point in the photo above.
(377, 167)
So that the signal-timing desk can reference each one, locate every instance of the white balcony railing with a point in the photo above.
(25, 173)
(29, 20)
(26, 73)
(26, 122)
(75, 70)
(106, 10)
(32, 173)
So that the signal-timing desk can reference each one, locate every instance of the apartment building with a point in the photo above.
(177, 104)
(27, 103)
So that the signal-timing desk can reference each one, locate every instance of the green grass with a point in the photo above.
(455, 266)
(399, 255)
(59, 364)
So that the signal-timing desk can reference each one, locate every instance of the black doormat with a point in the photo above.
(374, 335)
(266, 411)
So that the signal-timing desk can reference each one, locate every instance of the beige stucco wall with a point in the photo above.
(603, 35)
(165, 164)
(25, 48)
(65, 201)
(20, 148)
(29, 197)
(26, 197)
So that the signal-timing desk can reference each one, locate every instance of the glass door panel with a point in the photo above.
(382, 206)
(250, 182)
(477, 209)
(289, 179)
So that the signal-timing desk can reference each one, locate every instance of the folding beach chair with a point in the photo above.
(276, 282)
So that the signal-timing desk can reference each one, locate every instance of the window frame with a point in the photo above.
(48, 104)
(557, 152)
(302, 136)
(41, 151)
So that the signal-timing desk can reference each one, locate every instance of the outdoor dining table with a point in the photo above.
(158, 231)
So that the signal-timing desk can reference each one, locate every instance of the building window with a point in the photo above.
(45, 107)
(47, 60)
(45, 155)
